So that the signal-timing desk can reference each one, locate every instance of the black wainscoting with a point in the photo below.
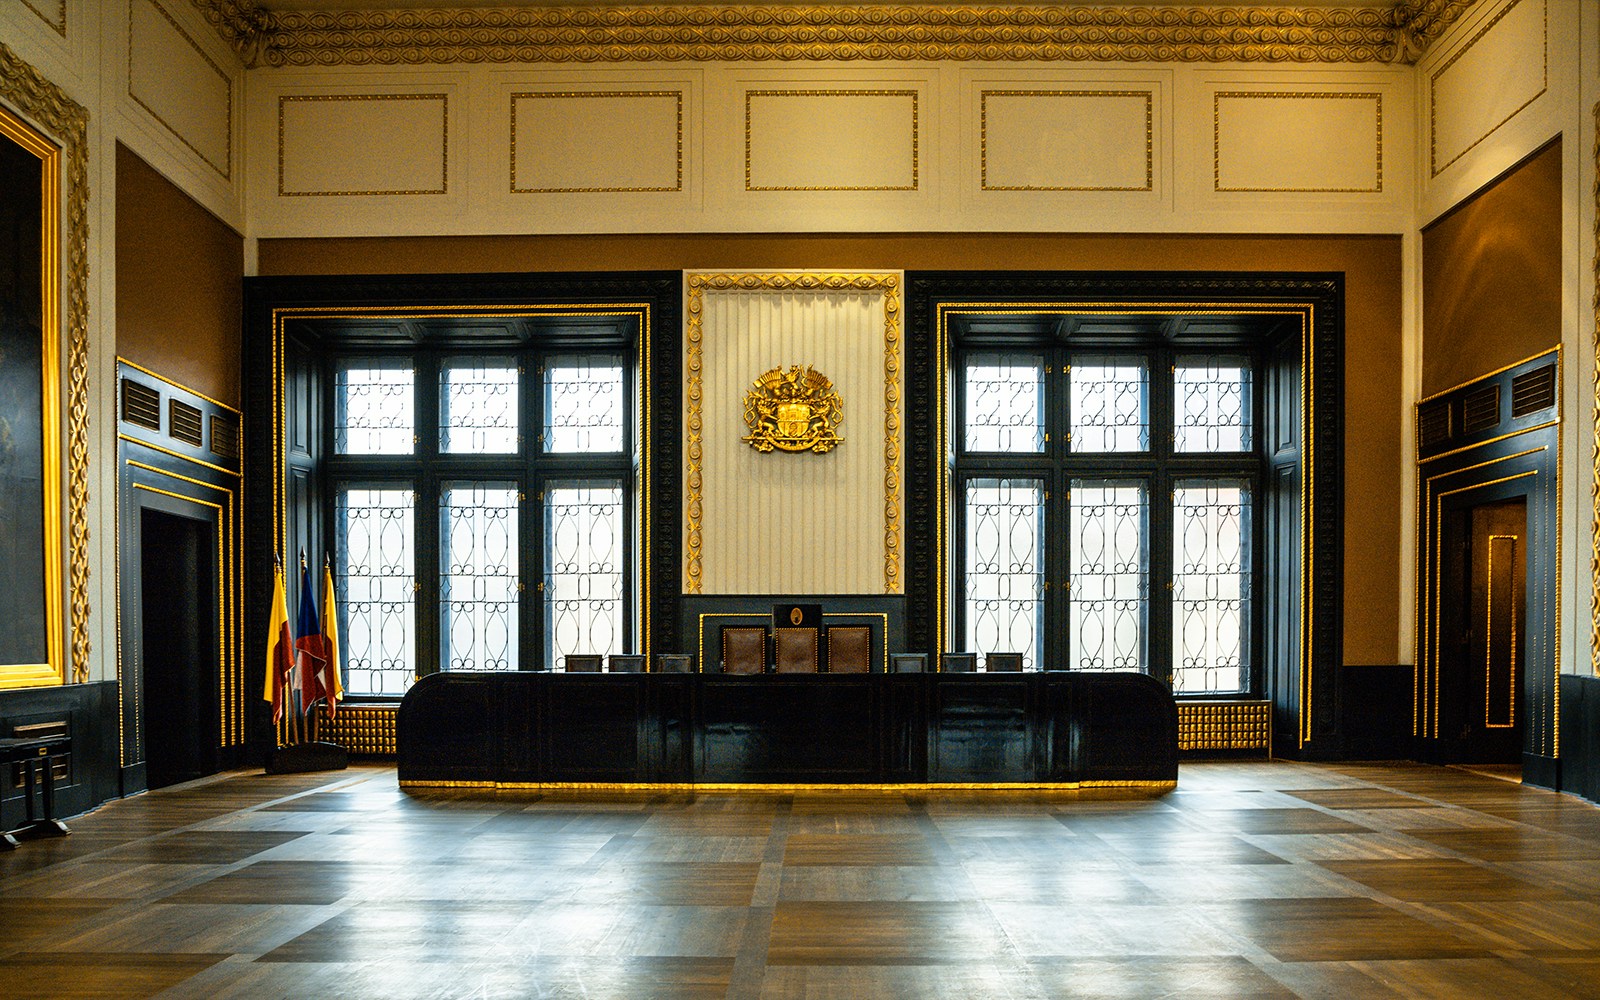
(793, 729)
(85, 712)
(1580, 736)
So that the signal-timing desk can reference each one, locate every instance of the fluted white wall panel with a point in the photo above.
(174, 80)
(799, 523)
(597, 141)
(363, 144)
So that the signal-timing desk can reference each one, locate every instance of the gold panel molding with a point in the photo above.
(749, 138)
(1149, 137)
(1435, 168)
(1594, 419)
(694, 452)
(285, 100)
(224, 168)
(695, 32)
(579, 94)
(57, 19)
(23, 87)
(1309, 95)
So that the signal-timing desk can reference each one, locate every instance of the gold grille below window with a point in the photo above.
(364, 730)
(1224, 725)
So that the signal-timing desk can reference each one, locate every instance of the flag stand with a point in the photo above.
(302, 681)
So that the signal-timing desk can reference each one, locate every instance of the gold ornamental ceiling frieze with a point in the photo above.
(833, 32)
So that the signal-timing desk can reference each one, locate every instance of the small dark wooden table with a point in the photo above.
(32, 754)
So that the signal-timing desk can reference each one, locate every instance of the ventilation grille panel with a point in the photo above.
(184, 423)
(141, 404)
(1433, 425)
(224, 436)
(1533, 391)
(1480, 409)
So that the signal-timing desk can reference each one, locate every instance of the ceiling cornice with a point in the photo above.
(833, 32)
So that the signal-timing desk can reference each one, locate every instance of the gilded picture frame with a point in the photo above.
(32, 538)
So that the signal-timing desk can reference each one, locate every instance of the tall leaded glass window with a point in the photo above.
(1210, 585)
(1004, 402)
(478, 569)
(1100, 513)
(375, 572)
(1109, 575)
(583, 569)
(1005, 566)
(484, 505)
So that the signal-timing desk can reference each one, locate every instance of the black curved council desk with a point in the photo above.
(527, 728)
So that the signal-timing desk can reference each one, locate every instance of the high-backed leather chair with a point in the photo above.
(998, 663)
(744, 649)
(796, 651)
(849, 649)
(582, 663)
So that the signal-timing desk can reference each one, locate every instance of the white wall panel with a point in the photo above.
(178, 85)
(802, 523)
(363, 144)
(1496, 73)
(597, 141)
(831, 140)
(1298, 142)
(1067, 140)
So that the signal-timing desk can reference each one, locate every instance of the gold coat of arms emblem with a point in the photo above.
(793, 410)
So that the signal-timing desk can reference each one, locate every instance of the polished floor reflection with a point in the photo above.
(1251, 880)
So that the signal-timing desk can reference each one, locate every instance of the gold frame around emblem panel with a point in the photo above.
(1216, 139)
(749, 139)
(983, 138)
(534, 94)
(1308, 317)
(1435, 168)
(53, 670)
(696, 285)
(444, 147)
(639, 310)
(227, 170)
(25, 88)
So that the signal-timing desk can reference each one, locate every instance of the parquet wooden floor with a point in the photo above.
(1252, 880)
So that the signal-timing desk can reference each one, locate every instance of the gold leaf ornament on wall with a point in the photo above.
(793, 410)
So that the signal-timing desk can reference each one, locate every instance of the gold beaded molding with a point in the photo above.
(67, 121)
(766, 32)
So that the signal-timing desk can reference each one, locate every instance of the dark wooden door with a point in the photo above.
(1487, 634)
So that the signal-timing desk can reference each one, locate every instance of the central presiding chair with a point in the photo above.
(796, 631)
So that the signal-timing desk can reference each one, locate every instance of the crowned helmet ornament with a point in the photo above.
(793, 410)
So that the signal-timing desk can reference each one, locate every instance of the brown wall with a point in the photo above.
(179, 284)
(1491, 276)
(1371, 265)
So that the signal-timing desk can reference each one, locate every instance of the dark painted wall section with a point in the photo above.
(179, 274)
(88, 714)
(1491, 276)
(1372, 281)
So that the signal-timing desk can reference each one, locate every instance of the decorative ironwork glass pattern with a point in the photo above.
(1110, 571)
(375, 539)
(373, 409)
(1005, 567)
(583, 403)
(1211, 404)
(478, 576)
(1210, 586)
(583, 568)
(1005, 403)
(1108, 404)
(478, 406)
